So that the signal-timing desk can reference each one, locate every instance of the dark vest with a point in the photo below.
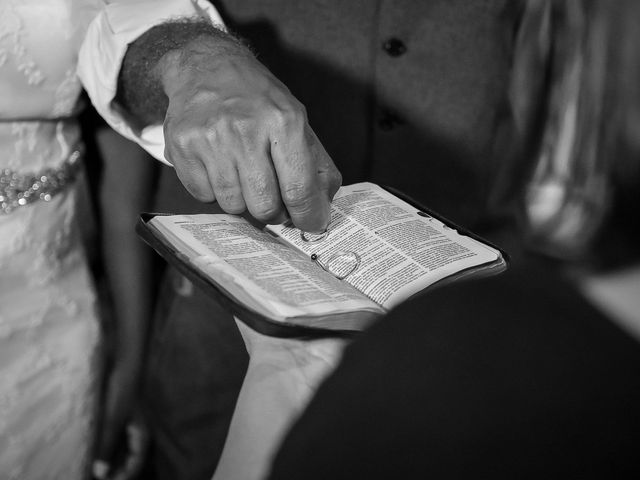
(406, 93)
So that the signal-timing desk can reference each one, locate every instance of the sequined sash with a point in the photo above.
(20, 189)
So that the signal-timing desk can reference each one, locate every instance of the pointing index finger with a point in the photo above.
(300, 183)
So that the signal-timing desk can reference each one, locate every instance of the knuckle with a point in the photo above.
(266, 209)
(335, 175)
(296, 195)
(302, 111)
(292, 117)
(335, 181)
(229, 196)
(261, 184)
(265, 197)
(244, 128)
(179, 139)
(197, 98)
(298, 165)
(197, 192)
(224, 184)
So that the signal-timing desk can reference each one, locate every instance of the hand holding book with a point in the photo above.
(378, 251)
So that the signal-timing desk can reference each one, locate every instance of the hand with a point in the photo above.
(235, 134)
(282, 376)
(131, 463)
(123, 438)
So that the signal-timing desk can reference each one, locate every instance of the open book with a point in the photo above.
(378, 251)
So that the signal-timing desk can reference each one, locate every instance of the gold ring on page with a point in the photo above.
(313, 237)
(340, 264)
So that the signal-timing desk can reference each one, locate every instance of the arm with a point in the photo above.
(282, 376)
(234, 133)
(124, 191)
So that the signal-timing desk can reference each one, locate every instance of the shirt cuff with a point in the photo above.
(105, 44)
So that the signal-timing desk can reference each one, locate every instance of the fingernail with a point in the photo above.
(100, 469)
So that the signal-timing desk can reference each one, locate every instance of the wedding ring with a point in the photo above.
(340, 264)
(313, 237)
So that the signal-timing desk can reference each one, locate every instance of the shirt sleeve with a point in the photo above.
(118, 24)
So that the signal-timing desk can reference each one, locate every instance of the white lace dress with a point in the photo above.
(49, 331)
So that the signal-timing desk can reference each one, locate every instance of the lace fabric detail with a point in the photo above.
(66, 94)
(26, 137)
(32, 146)
(50, 338)
(38, 53)
(49, 343)
(11, 33)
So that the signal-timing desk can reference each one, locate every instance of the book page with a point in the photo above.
(258, 269)
(399, 249)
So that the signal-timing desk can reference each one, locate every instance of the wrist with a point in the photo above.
(158, 57)
(205, 53)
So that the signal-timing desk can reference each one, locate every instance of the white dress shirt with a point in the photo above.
(118, 24)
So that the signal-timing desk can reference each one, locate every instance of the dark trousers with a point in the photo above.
(197, 362)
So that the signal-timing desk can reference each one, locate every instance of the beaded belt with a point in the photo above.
(20, 189)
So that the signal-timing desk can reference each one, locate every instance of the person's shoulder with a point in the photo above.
(531, 305)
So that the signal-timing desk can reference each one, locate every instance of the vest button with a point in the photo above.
(385, 123)
(388, 120)
(394, 47)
